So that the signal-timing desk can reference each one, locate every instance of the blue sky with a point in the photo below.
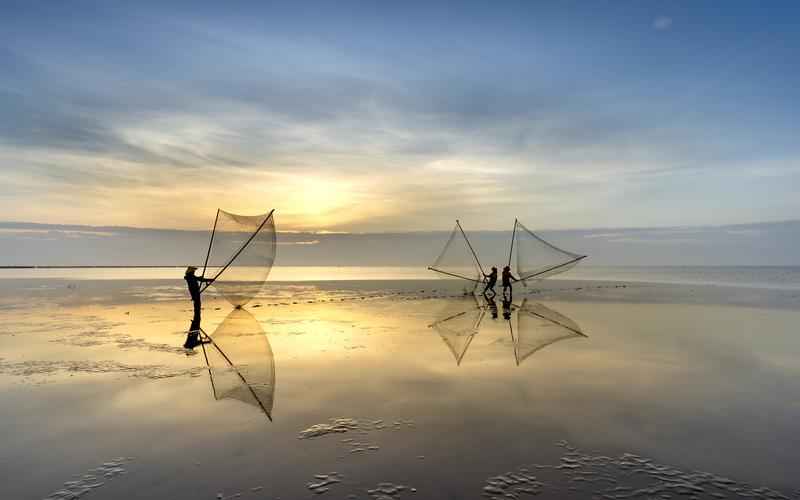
(377, 116)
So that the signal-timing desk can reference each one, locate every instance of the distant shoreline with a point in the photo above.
(90, 267)
(177, 266)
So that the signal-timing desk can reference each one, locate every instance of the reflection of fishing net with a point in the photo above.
(536, 258)
(457, 259)
(458, 324)
(538, 327)
(241, 255)
(240, 362)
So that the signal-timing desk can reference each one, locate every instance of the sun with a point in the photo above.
(320, 202)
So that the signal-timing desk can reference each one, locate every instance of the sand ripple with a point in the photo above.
(45, 368)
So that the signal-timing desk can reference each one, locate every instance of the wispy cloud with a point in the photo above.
(165, 116)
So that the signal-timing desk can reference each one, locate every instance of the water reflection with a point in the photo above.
(532, 326)
(239, 359)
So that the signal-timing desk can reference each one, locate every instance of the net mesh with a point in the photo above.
(458, 323)
(241, 255)
(537, 259)
(457, 260)
(240, 362)
(538, 327)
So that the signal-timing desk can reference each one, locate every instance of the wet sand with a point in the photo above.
(670, 392)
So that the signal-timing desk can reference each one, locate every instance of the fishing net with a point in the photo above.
(241, 255)
(537, 259)
(459, 322)
(457, 259)
(240, 362)
(538, 327)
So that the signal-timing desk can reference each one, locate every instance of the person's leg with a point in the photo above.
(196, 304)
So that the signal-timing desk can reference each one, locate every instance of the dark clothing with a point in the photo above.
(193, 335)
(193, 338)
(507, 278)
(193, 282)
(492, 281)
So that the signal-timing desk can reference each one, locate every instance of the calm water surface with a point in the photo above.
(398, 396)
(774, 277)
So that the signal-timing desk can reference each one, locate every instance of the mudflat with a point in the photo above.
(399, 390)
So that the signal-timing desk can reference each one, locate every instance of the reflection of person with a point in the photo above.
(507, 278)
(492, 306)
(193, 282)
(491, 281)
(507, 308)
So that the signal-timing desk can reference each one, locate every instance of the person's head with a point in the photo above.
(494, 269)
(190, 270)
(507, 268)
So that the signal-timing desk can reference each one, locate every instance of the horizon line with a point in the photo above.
(323, 232)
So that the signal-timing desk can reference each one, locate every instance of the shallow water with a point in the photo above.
(762, 277)
(393, 394)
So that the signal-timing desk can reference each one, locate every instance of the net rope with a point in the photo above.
(240, 361)
(536, 258)
(241, 255)
(537, 327)
(457, 259)
(458, 324)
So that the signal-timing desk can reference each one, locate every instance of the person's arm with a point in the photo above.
(206, 280)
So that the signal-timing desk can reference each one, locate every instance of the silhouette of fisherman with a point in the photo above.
(193, 282)
(491, 281)
(507, 279)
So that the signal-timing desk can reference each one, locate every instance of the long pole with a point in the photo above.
(470, 246)
(511, 250)
(208, 254)
(453, 275)
(208, 366)
(553, 268)
(241, 249)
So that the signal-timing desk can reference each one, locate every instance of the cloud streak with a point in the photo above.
(338, 134)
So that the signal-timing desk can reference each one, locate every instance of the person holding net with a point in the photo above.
(507, 279)
(193, 282)
(491, 281)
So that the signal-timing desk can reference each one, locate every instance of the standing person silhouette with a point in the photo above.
(507, 279)
(490, 283)
(193, 282)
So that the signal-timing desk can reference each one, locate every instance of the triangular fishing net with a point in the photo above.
(537, 259)
(538, 327)
(241, 255)
(459, 322)
(240, 362)
(458, 260)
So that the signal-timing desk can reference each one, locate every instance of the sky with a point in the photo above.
(400, 116)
